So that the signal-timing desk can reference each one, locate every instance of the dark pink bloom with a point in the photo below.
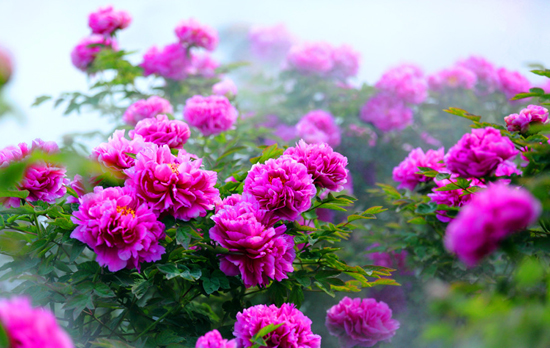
(83, 55)
(270, 43)
(202, 65)
(485, 71)
(214, 339)
(454, 77)
(114, 153)
(122, 231)
(146, 108)
(28, 327)
(361, 322)
(225, 87)
(531, 114)
(512, 82)
(328, 168)
(313, 58)
(294, 332)
(6, 66)
(404, 173)
(211, 115)
(405, 82)
(479, 153)
(191, 33)
(171, 63)
(386, 113)
(282, 186)
(318, 126)
(538, 114)
(261, 252)
(452, 198)
(346, 61)
(175, 185)
(162, 131)
(106, 20)
(491, 216)
(77, 184)
(231, 200)
(507, 168)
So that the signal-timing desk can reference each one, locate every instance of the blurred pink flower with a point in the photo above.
(386, 113)
(106, 20)
(213, 339)
(146, 108)
(85, 52)
(162, 131)
(318, 126)
(211, 115)
(346, 61)
(404, 173)
(405, 82)
(512, 82)
(484, 70)
(225, 87)
(171, 62)
(6, 66)
(452, 78)
(202, 65)
(270, 43)
(311, 57)
(191, 33)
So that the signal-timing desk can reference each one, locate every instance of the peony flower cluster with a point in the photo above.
(386, 113)
(85, 52)
(171, 62)
(452, 78)
(106, 20)
(261, 252)
(490, 216)
(327, 168)
(479, 153)
(270, 43)
(531, 114)
(114, 154)
(405, 172)
(225, 87)
(28, 327)
(213, 339)
(162, 131)
(146, 108)
(512, 82)
(6, 67)
(191, 33)
(318, 126)
(282, 186)
(361, 322)
(295, 330)
(322, 59)
(405, 82)
(170, 184)
(122, 231)
(211, 115)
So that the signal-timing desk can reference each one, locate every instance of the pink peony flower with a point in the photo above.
(346, 62)
(313, 58)
(318, 126)
(225, 87)
(361, 322)
(328, 168)
(211, 115)
(162, 131)
(454, 77)
(531, 114)
(512, 82)
(114, 153)
(106, 20)
(282, 186)
(507, 168)
(28, 327)
(213, 339)
(386, 113)
(122, 231)
(202, 65)
(405, 82)
(479, 153)
(146, 108)
(484, 70)
(77, 184)
(85, 52)
(174, 185)
(270, 43)
(538, 114)
(404, 173)
(261, 252)
(452, 198)
(191, 33)
(231, 200)
(491, 216)
(295, 330)
(6, 67)
(171, 63)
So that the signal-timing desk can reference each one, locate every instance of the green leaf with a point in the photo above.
(332, 207)
(269, 152)
(419, 220)
(448, 187)
(78, 302)
(426, 208)
(18, 194)
(258, 338)
(170, 270)
(4, 341)
(40, 100)
(296, 296)
(183, 236)
(374, 210)
(442, 176)
(103, 290)
(463, 113)
(210, 285)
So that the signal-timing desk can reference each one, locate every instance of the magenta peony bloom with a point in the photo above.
(214, 339)
(106, 20)
(479, 153)
(171, 63)
(191, 33)
(211, 115)
(452, 198)
(83, 55)
(484, 70)
(28, 327)
(77, 184)
(507, 168)
(531, 114)
(404, 173)
(386, 113)
(405, 82)
(6, 66)
(318, 126)
(315, 57)
(261, 252)
(491, 216)
(146, 108)
(454, 77)
(122, 231)
(162, 131)
(114, 153)
(202, 65)
(361, 322)
(295, 330)
(328, 168)
(270, 43)
(346, 62)
(538, 114)
(175, 185)
(282, 186)
(225, 87)
(512, 82)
